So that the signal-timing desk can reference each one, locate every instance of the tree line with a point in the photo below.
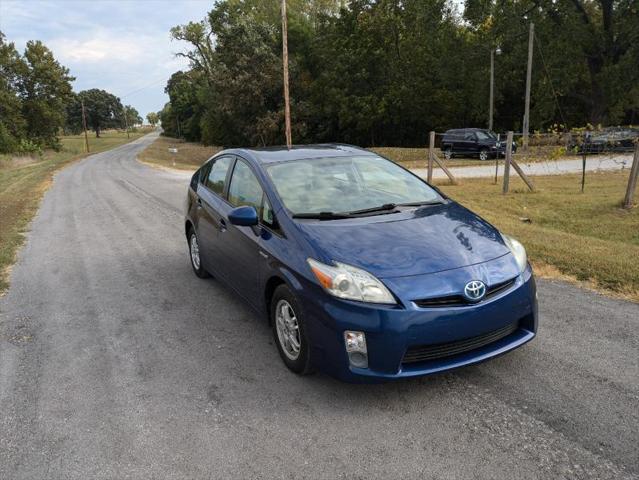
(385, 72)
(37, 101)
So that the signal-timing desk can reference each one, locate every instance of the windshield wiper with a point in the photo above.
(393, 206)
(381, 208)
(322, 215)
(419, 204)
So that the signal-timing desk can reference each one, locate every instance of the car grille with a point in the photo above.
(441, 350)
(460, 300)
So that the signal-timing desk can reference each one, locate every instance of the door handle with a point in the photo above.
(222, 225)
(199, 202)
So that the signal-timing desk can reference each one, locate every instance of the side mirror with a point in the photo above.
(243, 216)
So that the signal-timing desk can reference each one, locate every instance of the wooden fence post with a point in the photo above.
(632, 181)
(509, 155)
(431, 152)
(521, 173)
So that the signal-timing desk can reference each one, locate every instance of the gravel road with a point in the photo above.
(594, 163)
(117, 362)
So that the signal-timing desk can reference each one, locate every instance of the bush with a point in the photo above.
(29, 146)
(8, 143)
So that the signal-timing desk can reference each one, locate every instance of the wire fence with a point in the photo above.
(469, 153)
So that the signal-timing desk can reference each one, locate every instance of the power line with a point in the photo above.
(143, 88)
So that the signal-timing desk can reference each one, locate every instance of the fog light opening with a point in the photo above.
(355, 344)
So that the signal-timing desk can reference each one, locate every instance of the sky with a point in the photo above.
(122, 46)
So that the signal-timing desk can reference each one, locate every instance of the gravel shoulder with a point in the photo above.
(117, 362)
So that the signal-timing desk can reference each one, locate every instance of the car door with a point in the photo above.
(209, 210)
(239, 246)
(458, 142)
(469, 143)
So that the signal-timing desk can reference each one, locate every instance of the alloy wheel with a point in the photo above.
(288, 329)
(195, 252)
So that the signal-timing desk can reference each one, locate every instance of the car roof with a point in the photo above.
(459, 130)
(298, 152)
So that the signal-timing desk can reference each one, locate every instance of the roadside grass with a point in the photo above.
(418, 157)
(189, 155)
(23, 181)
(585, 237)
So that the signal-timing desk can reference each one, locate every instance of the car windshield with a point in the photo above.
(485, 135)
(346, 185)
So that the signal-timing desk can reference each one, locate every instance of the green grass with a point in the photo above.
(586, 236)
(23, 180)
(188, 157)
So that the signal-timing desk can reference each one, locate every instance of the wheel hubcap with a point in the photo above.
(483, 156)
(195, 252)
(288, 329)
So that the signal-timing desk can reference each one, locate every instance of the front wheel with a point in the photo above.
(196, 258)
(289, 330)
(483, 154)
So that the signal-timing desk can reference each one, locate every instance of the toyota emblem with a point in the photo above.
(475, 290)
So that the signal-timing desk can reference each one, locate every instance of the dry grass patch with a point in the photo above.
(587, 237)
(418, 157)
(23, 181)
(189, 155)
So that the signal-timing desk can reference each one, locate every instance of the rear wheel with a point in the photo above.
(448, 153)
(196, 258)
(289, 330)
(483, 154)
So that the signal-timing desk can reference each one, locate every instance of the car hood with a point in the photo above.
(420, 241)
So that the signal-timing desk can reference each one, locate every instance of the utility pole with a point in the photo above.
(526, 128)
(126, 122)
(287, 103)
(84, 127)
(492, 86)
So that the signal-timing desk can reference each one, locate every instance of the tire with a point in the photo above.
(289, 331)
(483, 154)
(448, 153)
(195, 256)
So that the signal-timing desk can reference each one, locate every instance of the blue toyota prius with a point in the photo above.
(363, 270)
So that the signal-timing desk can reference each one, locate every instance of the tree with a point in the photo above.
(12, 123)
(132, 117)
(385, 72)
(186, 92)
(45, 89)
(153, 118)
(103, 110)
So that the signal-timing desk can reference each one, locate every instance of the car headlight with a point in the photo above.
(518, 251)
(352, 283)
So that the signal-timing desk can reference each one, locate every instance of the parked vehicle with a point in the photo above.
(364, 271)
(612, 139)
(473, 142)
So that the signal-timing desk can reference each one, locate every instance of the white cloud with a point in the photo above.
(98, 49)
(120, 46)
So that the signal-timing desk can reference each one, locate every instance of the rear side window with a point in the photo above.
(217, 177)
(245, 188)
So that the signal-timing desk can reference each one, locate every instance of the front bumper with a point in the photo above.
(392, 330)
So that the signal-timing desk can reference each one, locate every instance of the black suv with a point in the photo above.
(471, 142)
